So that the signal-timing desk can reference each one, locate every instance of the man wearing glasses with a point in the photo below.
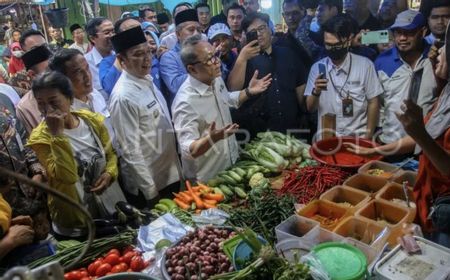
(344, 84)
(99, 30)
(278, 108)
(201, 113)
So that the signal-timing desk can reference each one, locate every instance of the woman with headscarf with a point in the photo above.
(15, 63)
(431, 138)
(153, 42)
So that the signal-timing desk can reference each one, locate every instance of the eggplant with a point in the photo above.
(126, 208)
(108, 230)
(105, 223)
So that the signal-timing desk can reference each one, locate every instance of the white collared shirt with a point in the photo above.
(362, 85)
(144, 132)
(94, 58)
(194, 108)
(96, 103)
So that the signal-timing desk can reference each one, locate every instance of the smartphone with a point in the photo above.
(323, 70)
(375, 37)
(252, 36)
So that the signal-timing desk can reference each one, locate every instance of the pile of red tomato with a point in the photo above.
(113, 262)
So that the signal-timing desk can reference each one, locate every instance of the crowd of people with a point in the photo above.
(129, 109)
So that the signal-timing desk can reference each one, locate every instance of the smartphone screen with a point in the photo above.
(322, 70)
(251, 36)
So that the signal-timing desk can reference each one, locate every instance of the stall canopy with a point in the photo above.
(168, 4)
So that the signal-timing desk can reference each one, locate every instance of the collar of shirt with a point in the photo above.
(177, 47)
(201, 88)
(96, 56)
(344, 67)
(145, 82)
(77, 103)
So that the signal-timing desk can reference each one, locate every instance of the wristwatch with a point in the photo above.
(313, 93)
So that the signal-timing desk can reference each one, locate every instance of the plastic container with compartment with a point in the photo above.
(322, 235)
(408, 176)
(292, 249)
(384, 213)
(295, 226)
(347, 197)
(360, 229)
(366, 183)
(432, 264)
(390, 170)
(393, 193)
(328, 214)
(368, 251)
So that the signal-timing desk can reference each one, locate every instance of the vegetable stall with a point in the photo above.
(277, 213)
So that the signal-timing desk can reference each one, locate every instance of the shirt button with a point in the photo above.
(279, 114)
(279, 101)
(274, 79)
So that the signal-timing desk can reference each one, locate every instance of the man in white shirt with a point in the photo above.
(141, 120)
(78, 37)
(99, 30)
(72, 64)
(349, 88)
(201, 112)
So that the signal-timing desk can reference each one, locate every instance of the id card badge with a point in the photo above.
(347, 107)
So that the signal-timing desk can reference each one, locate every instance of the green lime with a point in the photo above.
(162, 243)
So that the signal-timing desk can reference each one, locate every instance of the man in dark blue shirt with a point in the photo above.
(278, 108)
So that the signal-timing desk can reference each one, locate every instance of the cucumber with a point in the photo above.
(240, 171)
(169, 203)
(240, 192)
(226, 190)
(234, 175)
(228, 179)
(161, 207)
(250, 172)
(217, 190)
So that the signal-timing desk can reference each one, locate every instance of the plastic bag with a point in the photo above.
(315, 267)
(211, 216)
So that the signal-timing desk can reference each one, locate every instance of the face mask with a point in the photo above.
(18, 54)
(337, 53)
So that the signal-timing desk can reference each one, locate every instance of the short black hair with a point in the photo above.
(91, 26)
(202, 5)
(119, 22)
(439, 4)
(58, 60)
(53, 80)
(187, 4)
(333, 3)
(342, 26)
(142, 12)
(162, 18)
(296, 2)
(252, 17)
(236, 6)
(28, 33)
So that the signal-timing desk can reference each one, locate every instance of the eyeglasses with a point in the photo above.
(210, 61)
(260, 29)
(334, 46)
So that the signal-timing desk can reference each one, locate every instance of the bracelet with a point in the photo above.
(247, 92)
(315, 94)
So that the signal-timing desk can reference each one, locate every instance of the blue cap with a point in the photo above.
(409, 20)
(216, 29)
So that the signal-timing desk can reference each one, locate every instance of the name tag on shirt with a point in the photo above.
(153, 103)
(354, 83)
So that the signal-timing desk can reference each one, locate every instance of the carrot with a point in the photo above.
(210, 201)
(208, 206)
(214, 196)
(180, 197)
(187, 197)
(197, 211)
(204, 187)
(197, 199)
(181, 204)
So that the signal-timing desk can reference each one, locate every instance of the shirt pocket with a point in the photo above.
(358, 96)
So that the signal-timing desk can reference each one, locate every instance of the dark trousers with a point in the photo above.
(140, 202)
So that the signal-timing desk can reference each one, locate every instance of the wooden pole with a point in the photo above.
(44, 28)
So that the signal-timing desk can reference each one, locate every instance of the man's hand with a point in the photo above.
(319, 85)
(102, 183)
(359, 150)
(356, 41)
(250, 50)
(22, 220)
(55, 122)
(19, 235)
(219, 134)
(257, 86)
(412, 119)
(161, 50)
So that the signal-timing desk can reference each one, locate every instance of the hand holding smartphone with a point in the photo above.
(375, 37)
(252, 36)
(323, 73)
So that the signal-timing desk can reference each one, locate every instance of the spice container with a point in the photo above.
(366, 183)
(347, 197)
(295, 226)
(360, 229)
(393, 193)
(322, 235)
(384, 213)
(408, 176)
(325, 212)
(432, 264)
(379, 169)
